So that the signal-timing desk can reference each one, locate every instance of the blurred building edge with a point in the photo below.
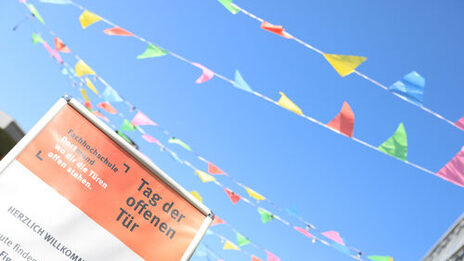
(10, 134)
(451, 246)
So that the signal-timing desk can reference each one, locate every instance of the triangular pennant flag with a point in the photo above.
(277, 29)
(271, 256)
(344, 121)
(48, 48)
(36, 38)
(411, 87)
(396, 145)
(334, 236)
(122, 135)
(240, 82)
(230, 246)
(87, 18)
(83, 69)
(179, 142)
(285, 102)
(111, 95)
(460, 123)
(152, 51)
(233, 197)
(84, 95)
(107, 107)
(196, 195)
(255, 258)
(117, 31)
(58, 2)
(150, 139)
(204, 176)
(90, 85)
(303, 231)
(228, 4)
(206, 75)
(344, 64)
(453, 171)
(127, 126)
(60, 46)
(217, 221)
(35, 13)
(266, 216)
(141, 119)
(88, 105)
(213, 169)
(101, 116)
(380, 258)
(254, 194)
(64, 71)
(241, 240)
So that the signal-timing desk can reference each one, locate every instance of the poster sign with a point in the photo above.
(72, 189)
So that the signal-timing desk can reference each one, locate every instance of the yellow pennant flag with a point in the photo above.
(83, 69)
(87, 18)
(196, 195)
(254, 194)
(230, 245)
(285, 102)
(90, 85)
(84, 94)
(344, 64)
(204, 176)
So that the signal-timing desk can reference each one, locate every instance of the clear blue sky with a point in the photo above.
(377, 203)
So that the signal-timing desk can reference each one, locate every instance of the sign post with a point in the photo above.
(72, 189)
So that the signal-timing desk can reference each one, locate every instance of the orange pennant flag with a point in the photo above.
(344, 121)
(117, 31)
(277, 29)
(60, 46)
(213, 169)
(107, 107)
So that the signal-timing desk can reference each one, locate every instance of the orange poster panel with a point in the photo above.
(112, 188)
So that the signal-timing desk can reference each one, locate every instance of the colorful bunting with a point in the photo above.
(141, 119)
(380, 258)
(266, 216)
(83, 69)
(228, 4)
(396, 145)
(344, 64)
(88, 18)
(254, 194)
(36, 38)
(117, 31)
(460, 123)
(127, 126)
(58, 2)
(35, 13)
(277, 29)
(254, 258)
(204, 176)
(196, 195)
(240, 82)
(303, 231)
(217, 221)
(84, 95)
(335, 236)
(344, 121)
(109, 94)
(107, 107)
(90, 85)
(60, 46)
(213, 169)
(453, 171)
(206, 76)
(285, 102)
(101, 116)
(152, 51)
(150, 139)
(230, 246)
(411, 87)
(271, 256)
(179, 142)
(241, 240)
(233, 197)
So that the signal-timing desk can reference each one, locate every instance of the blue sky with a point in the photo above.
(377, 203)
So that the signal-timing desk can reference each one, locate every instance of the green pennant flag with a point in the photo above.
(179, 142)
(127, 126)
(228, 4)
(266, 216)
(396, 145)
(36, 38)
(124, 136)
(380, 258)
(241, 240)
(152, 51)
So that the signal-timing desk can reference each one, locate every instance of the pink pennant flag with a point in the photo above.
(271, 256)
(213, 169)
(303, 231)
(206, 76)
(460, 123)
(107, 107)
(101, 116)
(217, 221)
(150, 139)
(117, 31)
(233, 197)
(53, 53)
(335, 236)
(142, 119)
(453, 171)
(22, 1)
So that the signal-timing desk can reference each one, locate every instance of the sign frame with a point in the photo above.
(138, 156)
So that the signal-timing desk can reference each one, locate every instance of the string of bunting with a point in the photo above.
(410, 89)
